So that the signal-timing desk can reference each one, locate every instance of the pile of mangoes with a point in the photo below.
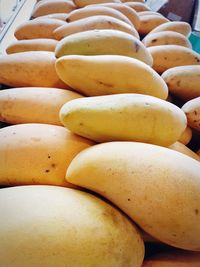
(100, 149)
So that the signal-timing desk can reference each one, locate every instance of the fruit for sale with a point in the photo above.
(40, 44)
(169, 56)
(37, 28)
(103, 42)
(166, 38)
(97, 11)
(33, 104)
(32, 68)
(110, 74)
(173, 258)
(83, 3)
(149, 12)
(37, 154)
(137, 6)
(186, 136)
(157, 187)
(149, 22)
(183, 81)
(130, 13)
(192, 111)
(176, 26)
(94, 23)
(124, 117)
(44, 219)
(178, 146)
(50, 7)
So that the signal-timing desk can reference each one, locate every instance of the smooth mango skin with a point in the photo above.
(110, 74)
(37, 154)
(183, 81)
(38, 28)
(176, 258)
(40, 44)
(156, 187)
(33, 104)
(137, 6)
(149, 22)
(125, 117)
(169, 56)
(94, 23)
(176, 26)
(166, 38)
(32, 68)
(103, 42)
(50, 7)
(52, 226)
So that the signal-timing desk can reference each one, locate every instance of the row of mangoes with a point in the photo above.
(91, 73)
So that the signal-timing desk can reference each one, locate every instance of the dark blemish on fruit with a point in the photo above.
(49, 156)
(81, 124)
(178, 83)
(67, 19)
(197, 59)
(174, 235)
(147, 104)
(47, 171)
(137, 47)
(129, 199)
(196, 211)
(105, 84)
(195, 112)
(53, 165)
(165, 58)
(154, 40)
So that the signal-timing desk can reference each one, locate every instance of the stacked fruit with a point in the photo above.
(93, 121)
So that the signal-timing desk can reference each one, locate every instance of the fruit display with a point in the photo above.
(99, 138)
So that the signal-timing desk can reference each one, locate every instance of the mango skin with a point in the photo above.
(125, 117)
(156, 187)
(40, 226)
(110, 74)
(103, 42)
(35, 153)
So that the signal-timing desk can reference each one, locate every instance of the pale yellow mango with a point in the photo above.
(103, 42)
(125, 117)
(156, 187)
(94, 23)
(34, 153)
(110, 74)
(52, 226)
(192, 111)
(33, 104)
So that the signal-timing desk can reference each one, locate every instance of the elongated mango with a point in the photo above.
(130, 13)
(176, 26)
(103, 42)
(183, 81)
(61, 16)
(166, 38)
(32, 45)
(169, 56)
(110, 74)
(69, 227)
(149, 22)
(33, 104)
(83, 3)
(38, 28)
(37, 154)
(50, 7)
(137, 6)
(192, 111)
(32, 68)
(155, 186)
(94, 23)
(96, 11)
(125, 117)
